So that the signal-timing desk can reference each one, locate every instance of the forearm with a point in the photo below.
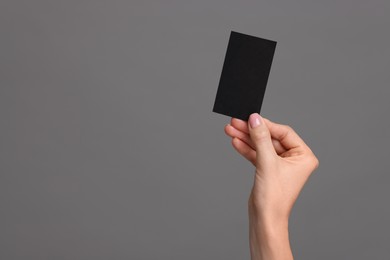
(269, 238)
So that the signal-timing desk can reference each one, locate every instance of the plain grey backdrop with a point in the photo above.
(109, 148)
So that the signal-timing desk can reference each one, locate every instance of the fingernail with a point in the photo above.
(254, 120)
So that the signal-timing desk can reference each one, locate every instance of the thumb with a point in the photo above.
(261, 138)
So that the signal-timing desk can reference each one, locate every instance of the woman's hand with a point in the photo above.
(283, 164)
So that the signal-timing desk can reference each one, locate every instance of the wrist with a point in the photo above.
(267, 214)
(269, 236)
(269, 240)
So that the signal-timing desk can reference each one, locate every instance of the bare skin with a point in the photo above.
(283, 164)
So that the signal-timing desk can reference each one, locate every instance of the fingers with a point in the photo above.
(288, 138)
(278, 146)
(261, 137)
(245, 150)
(240, 125)
(233, 132)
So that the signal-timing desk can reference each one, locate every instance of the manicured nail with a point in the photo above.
(255, 120)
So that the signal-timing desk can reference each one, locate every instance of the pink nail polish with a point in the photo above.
(254, 120)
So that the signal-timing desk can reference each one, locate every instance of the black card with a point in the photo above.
(244, 75)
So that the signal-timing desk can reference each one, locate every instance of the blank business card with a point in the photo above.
(244, 76)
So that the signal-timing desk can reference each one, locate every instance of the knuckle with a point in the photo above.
(314, 162)
(288, 131)
(288, 127)
(261, 134)
(317, 163)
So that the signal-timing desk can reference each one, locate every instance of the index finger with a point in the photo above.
(285, 135)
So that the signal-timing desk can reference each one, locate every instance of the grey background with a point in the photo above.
(109, 148)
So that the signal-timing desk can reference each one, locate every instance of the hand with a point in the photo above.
(283, 165)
